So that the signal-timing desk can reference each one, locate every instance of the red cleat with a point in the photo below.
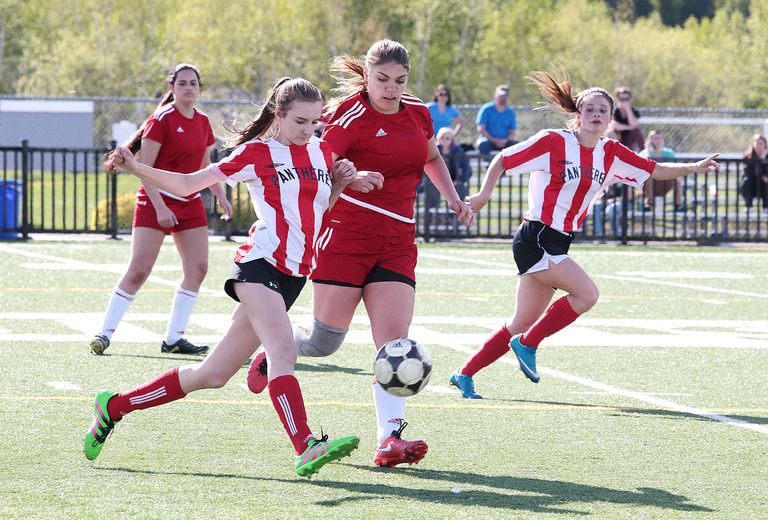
(257, 373)
(396, 450)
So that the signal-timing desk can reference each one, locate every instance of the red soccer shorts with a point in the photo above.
(189, 214)
(354, 260)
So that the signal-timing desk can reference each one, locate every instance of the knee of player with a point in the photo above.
(589, 297)
(136, 276)
(199, 270)
(320, 341)
(216, 379)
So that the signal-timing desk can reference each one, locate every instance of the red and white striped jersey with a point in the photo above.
(393, 144)
(290, 187)
(566, 177)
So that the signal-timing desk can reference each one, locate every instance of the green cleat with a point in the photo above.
(322, 451)
(101, 426)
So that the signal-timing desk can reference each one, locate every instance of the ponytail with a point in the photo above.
(557, 90)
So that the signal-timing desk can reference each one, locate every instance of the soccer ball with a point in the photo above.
(402, 367)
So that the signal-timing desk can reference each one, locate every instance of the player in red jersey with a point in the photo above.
(293, 179)
(568, 169)
(367, 251)
(176, 137)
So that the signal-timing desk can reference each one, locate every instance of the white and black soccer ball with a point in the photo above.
(402, 367)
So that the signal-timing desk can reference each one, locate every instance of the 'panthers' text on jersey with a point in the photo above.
(566, 177)
(290, 187)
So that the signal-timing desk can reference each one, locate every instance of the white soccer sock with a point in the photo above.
(388, 408)
(181, 309)
(116, 309)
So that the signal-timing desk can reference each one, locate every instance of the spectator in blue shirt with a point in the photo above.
(445, 115)
(496, 123)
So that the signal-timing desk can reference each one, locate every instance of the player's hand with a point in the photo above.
(165, 217)
(123, 159)
(226, 207)
(462, 209)
(367, 181)
(707, 164)
(343, 171)
(477, 201)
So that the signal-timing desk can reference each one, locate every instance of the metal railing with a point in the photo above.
(60, 190)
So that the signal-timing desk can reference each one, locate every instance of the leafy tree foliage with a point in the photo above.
(669, 52)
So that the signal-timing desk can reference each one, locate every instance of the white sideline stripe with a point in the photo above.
(663, 403)
(683, 286)
(86, 266)
(63, 385)
(638, 396)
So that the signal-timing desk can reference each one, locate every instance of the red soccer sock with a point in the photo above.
(494, 347)
(558, 316)
(285, 393)
(162, 389)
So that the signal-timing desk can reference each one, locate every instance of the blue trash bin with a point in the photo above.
(10, 209)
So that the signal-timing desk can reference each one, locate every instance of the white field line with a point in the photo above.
(683, 286)
(587, 332)
(637, 396)
(68, 263)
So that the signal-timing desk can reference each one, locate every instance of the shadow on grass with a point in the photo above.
(523, 494)
(672, 414)
(325, 367)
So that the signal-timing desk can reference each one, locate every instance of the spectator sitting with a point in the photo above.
(496, 123)
(445, 115)
(655, 149)
(754, 180)
(626, 121)
(456, 160)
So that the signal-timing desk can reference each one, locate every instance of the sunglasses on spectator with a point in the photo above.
(442, 93)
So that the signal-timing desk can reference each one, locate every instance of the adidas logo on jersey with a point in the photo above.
(381, 133)
(180, 130)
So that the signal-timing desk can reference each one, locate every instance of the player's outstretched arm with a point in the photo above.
(666, 171)
(181, 184)
(492, 175)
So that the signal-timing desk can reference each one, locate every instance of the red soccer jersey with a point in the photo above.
(566, 177)
(184, 141)
(290, 187)
(393, 144)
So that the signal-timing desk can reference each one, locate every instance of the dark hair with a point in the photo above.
(284, 92)
(557, 89)
(443, 86)
(133, 143)
(348, 71)
(752, 152)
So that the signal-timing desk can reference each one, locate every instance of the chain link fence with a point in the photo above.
(688, 131)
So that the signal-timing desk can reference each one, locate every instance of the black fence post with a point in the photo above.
(113, 197)
(625, 202)
(25, 163)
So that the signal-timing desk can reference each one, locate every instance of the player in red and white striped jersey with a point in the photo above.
(568, 168)
(293, 179)
(176, 137)
(367, 251)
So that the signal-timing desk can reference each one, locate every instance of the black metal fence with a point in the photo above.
(67, 191)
